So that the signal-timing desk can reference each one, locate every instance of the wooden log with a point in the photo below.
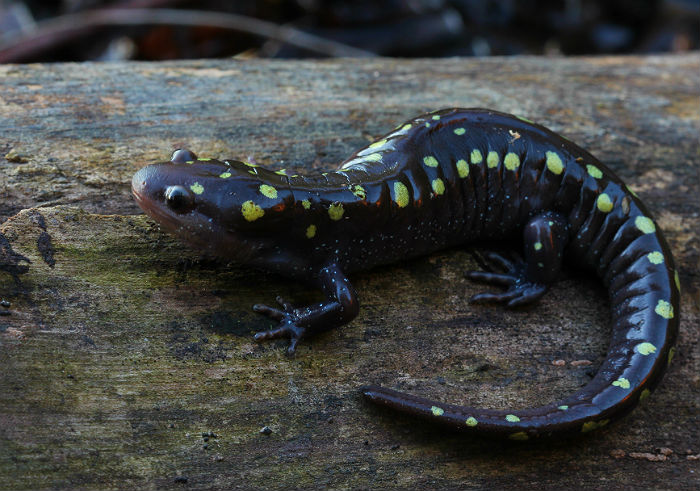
(128, 361)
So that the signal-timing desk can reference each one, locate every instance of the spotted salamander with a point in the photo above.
(444, 179)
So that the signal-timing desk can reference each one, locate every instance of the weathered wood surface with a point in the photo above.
(124, 353)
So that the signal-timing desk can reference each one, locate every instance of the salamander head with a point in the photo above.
(224, 209)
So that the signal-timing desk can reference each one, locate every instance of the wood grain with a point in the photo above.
(128, 361)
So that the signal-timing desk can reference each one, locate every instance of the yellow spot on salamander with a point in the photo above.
(492, 159)
(203, 160)
(655, 257)
(512, 418)
(306, 204)
(436, 117)
(604, 203)
(400, 194)
(664, 309)
(437, 411)
(430, 161)
(268, 191)
(406, 127)
(197, 188)
(538, 246)
(554, 163)
(594, 171)
(310, 231)
(379, 143)
(563, 407)
(225, 175)
(645, 348)
(438, 186)
(622, 383)
(671, 354)
(358, 191)
(462, 168)
(476, 157)
(645, 224)
(645, 393)
(281, 172)
(336, 210)
(460, 131)
(251, 211)
(427, 125)
(471, 421)
(247, 163)
(524, 119)
(593, 425)
(677, 279)
(374, 157)
(520, 436)
(190, 162)
(511, 161)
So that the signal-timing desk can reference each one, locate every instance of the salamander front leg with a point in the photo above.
(340, 307)
(545, 237)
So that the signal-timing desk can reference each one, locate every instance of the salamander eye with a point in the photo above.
(182, 155)
(179, 199)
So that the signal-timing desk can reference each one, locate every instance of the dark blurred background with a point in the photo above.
(75, 30)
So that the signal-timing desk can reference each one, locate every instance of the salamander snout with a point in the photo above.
(139, 183)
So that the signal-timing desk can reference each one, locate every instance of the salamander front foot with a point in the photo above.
(339, 307)
(287, 328)
(520, 289)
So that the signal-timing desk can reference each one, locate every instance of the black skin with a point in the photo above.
(526, 281)
(444, 179)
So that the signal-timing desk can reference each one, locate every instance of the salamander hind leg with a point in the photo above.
(545, 237)
(340, 307)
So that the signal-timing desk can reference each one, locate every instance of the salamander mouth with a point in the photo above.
(203, 234)
(154, 211)
(146, 196)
